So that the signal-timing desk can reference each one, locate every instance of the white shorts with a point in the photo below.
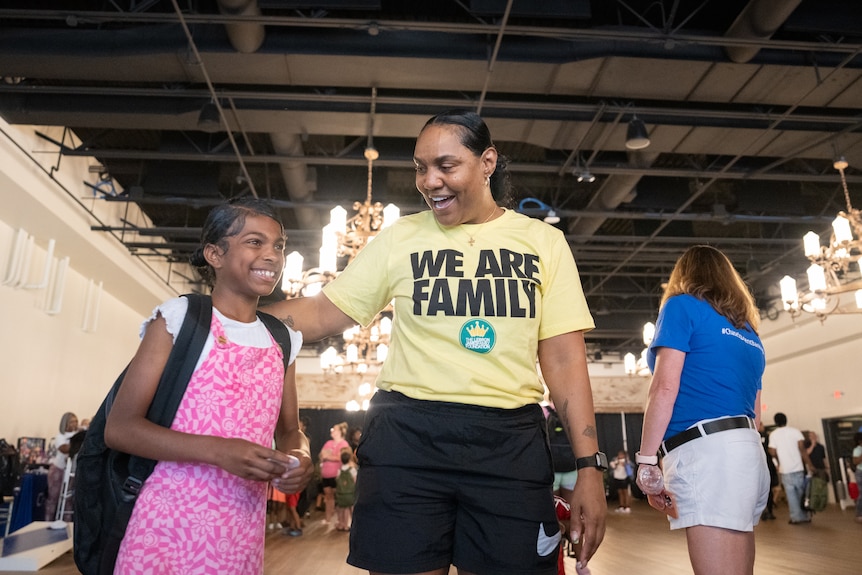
(718, 480)
(566, 480)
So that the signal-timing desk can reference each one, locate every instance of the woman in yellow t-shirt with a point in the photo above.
(454, 466)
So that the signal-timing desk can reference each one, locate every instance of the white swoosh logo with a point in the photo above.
(545, 545)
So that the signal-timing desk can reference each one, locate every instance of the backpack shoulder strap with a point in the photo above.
(182, 360)
(178, 371)
(279, 332)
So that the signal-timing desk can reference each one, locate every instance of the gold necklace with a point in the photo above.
(472, 239)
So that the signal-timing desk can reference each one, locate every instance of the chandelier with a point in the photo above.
(638, 365)
(834, 268)
(342, 239)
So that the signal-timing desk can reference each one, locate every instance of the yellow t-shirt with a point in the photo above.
(467, 319)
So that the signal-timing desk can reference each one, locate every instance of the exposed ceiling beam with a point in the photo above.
(651, 36)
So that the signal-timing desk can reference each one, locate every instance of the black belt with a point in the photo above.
(707, 428)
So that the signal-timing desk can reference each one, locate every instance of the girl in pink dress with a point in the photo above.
(203, 508)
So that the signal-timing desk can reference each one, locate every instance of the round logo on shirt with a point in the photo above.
(478, 335)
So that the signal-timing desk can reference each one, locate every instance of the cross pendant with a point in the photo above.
(471, 241)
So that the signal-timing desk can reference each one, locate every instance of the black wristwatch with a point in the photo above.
(598, 459)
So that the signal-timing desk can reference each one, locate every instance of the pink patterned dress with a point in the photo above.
(196, 518)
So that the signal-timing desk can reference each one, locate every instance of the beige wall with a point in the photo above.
(50, 364)
(814, 369)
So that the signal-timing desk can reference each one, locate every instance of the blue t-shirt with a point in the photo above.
(723, 365)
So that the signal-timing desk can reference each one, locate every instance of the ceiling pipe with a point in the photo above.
(614, 191)
(246, 37)
(759, 20)
(296, 176)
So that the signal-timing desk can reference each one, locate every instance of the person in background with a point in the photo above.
(353, 437)
(205, 502)
(856, 458)
(57, 468)
(703, 412)
(787, 446)
(621, 472)
(817, 455)
(294, 521)
(562, 457)
(308, 495)
(345, 491)
(330, 463)
(455, 440)
(769, 510)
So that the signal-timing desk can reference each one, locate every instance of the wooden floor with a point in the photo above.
(639, 543)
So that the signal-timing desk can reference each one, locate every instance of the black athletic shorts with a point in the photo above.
(328, 482)
(446, 483)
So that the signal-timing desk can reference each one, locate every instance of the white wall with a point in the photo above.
(813, 369)
(48, 363)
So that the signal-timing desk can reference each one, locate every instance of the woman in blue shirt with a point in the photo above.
(703, 412)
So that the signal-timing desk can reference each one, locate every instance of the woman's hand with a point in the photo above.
(664, 502)
(588, 508)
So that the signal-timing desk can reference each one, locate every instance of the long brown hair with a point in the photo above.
(706, 273)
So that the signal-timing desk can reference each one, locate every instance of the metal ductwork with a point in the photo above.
(758, 20)
(614, 191)
(245, 37)
(295, 175)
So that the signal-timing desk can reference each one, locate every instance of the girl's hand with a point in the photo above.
(297, 474)
(251, 461)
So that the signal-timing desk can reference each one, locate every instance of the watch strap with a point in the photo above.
(597, 459)
(646, 459)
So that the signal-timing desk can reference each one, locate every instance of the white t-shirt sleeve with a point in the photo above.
(174, 312)
(295, 344)
(255, 335)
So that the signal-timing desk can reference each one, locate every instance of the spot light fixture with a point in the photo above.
(586, 176)
(636, 135)
(552, 217)
(209, 120)
(583, 174)
(526, 206)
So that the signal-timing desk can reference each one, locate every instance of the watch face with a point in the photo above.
(602, 459)
(598, 460)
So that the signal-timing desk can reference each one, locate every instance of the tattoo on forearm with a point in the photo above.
(589, 431)
(563, 414)
(288, 321)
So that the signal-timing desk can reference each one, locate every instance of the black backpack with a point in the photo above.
(107, 482)
(561, 449)
(10, 469)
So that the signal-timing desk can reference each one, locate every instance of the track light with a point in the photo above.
(209, 119)
(636, 135)
(582, 174)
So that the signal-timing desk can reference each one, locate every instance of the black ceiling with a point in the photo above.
(747, 104)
